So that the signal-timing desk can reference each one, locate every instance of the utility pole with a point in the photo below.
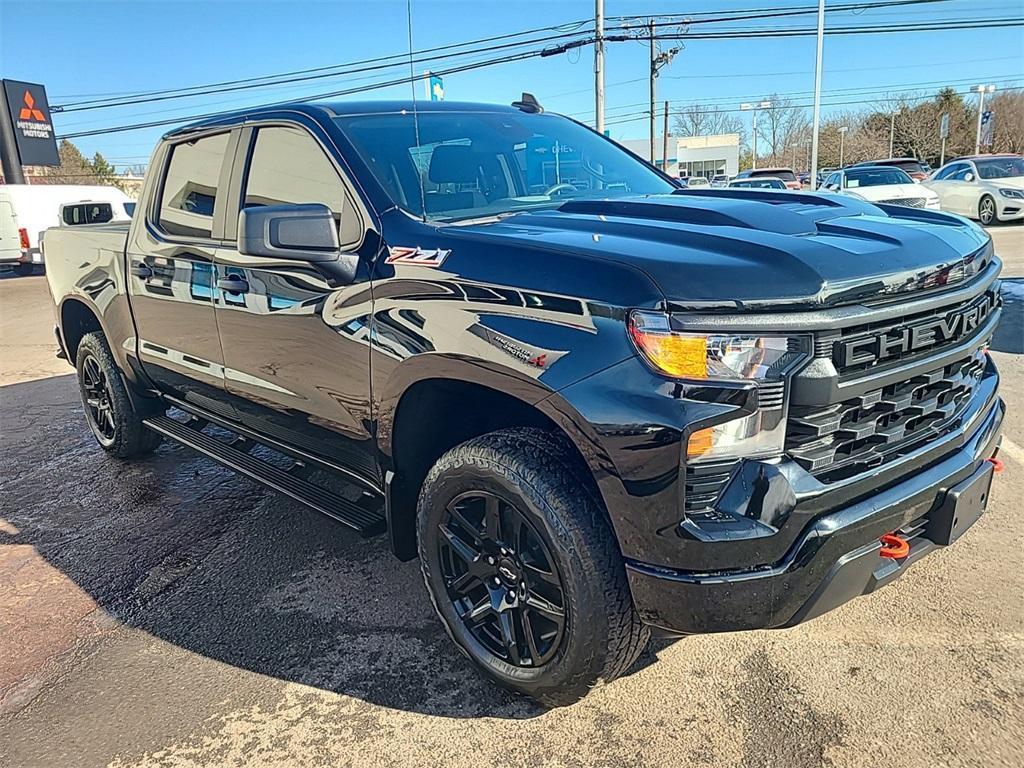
(658, 60)
(842, 141)
(892, 131)
(981, 90)
(654, 75)
(817, 90)
(599, 65)
(664, 142)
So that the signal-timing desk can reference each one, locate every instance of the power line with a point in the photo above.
(561, 48)
(623, 119)
(575, 25)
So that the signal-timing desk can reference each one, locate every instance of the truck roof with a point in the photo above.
(339, 108)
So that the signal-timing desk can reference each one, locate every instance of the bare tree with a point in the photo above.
(705, 120)
(1008, 132)
(780, 126)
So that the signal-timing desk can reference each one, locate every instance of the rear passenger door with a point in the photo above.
(170, 277)
(296, 351)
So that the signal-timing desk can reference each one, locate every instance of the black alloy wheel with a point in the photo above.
(502, 579)
(98, 400)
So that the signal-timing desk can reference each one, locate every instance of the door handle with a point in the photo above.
(140, 270)
(233, 284)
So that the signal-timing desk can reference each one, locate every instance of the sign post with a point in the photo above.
(26, 131)
(943, 134)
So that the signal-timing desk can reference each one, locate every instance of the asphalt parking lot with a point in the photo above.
(170, 613)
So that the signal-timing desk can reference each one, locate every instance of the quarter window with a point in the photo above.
(288, 166)
(190, 186)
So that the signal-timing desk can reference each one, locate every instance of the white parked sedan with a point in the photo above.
(760, 182)
(989, 188)
(881, 184)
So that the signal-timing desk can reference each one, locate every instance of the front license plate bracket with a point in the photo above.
(963, 504)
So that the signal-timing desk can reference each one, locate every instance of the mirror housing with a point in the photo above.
(305, 232)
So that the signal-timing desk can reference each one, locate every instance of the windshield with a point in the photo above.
(1000, 167)
(875, 177)
(779, 173)
(478, 164)
(910, 166)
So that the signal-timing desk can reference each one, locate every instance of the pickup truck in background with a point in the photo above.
(593, 404)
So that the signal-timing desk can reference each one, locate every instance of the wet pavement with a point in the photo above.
(166, 612)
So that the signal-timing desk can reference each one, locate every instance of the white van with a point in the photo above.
(27, 210)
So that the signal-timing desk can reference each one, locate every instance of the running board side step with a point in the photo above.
(367, 522)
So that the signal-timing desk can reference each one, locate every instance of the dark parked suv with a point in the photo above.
(592, 404)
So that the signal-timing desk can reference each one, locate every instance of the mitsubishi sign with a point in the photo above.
(29, 115)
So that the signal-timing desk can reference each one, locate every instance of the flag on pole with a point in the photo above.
(988, 120)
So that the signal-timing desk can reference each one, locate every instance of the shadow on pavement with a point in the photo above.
(196, 556)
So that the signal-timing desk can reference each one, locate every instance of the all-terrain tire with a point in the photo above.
(115, 421)
(531, 469)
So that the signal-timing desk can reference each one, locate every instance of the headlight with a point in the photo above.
(764, 361)
(1017, 194)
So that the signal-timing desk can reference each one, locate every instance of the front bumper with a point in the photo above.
(835, 559)
(1009, 208)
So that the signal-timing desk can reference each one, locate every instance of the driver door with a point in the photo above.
(296, 366)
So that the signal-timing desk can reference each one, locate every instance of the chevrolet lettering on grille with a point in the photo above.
(913, 338)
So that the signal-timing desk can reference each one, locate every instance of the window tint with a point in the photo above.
(88, 213)
(289, 166)
(190, 186)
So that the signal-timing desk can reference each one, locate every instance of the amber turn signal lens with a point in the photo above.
(682, 356)
(699, 443)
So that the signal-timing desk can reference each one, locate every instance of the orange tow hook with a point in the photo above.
(997, 464)
(893, 546)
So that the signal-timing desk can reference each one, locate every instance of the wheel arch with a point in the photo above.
(77, 318)
(434, 406)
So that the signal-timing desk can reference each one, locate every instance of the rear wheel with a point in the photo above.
(987, 210)
(523, 569)
(114, 420)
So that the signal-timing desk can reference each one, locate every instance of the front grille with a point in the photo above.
(911, 202)
(704, 484)
(837, 441)
(827, 345)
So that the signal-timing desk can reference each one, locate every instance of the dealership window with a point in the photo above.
(706, 168)
(190, 186)
(289, 166)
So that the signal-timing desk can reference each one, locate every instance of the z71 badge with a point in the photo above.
(423, 257)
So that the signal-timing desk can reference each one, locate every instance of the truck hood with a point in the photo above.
(747, 249)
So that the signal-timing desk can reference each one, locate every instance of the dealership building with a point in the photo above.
(693, 155)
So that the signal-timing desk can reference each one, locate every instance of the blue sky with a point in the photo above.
(80, 49)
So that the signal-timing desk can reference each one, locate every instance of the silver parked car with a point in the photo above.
(989, 188)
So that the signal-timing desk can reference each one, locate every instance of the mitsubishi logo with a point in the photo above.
(29, 111)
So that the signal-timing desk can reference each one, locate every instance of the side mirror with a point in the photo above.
(832, 187)
(968, 176)
(305, 232)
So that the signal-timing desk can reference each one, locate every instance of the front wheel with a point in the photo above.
(115, 422)
(987, 210)
(523, 568)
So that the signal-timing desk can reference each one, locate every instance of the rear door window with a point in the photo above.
(190, 186)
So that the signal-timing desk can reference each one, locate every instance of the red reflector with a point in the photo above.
(893, 546)
(23, 236)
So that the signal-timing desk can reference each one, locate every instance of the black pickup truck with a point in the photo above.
(594, 405)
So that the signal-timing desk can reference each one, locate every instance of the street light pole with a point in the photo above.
(817, 90)
(599, 65)
(842, 141)
(755, 107)
(981, 90)
(892, 131)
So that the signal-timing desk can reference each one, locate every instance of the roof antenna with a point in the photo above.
(415, 114)
(528, 103)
